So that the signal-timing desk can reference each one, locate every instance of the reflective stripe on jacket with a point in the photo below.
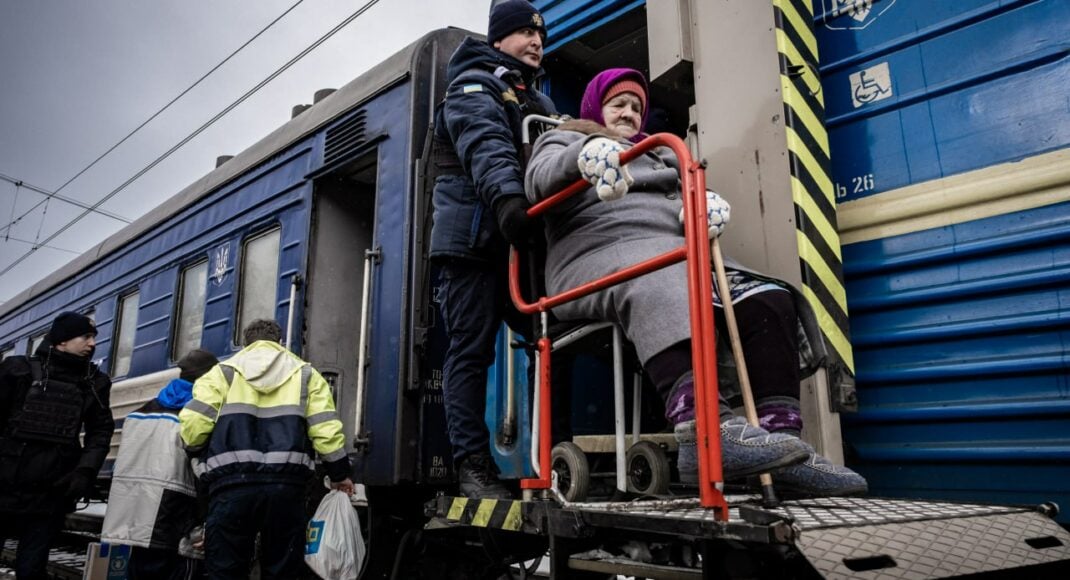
(264, 422)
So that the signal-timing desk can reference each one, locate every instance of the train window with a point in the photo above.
(124, 335)
(259, 278)
(36, 342)
(190, 316)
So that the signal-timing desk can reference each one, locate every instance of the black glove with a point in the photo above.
(76, 484)
(513, 220)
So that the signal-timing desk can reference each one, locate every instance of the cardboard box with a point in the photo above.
(106, 561)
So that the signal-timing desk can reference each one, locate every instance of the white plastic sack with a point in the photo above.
(334, 546)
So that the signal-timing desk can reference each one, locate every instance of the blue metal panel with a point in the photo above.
(919, 90)
(961, 339)
(567, 20)
(153, 328)
(150, 264)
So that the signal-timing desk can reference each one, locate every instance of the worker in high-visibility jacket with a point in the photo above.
(253, 426)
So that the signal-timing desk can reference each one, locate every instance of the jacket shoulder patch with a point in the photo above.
(473, 88)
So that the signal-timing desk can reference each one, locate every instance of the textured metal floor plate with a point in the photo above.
(809, 513)
(936, 548)
(857, 511)
(877, 538)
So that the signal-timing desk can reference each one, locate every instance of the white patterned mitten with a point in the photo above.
(599, 163)
(717, 213)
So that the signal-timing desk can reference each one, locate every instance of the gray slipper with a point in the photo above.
(745, 450)
(817, 476)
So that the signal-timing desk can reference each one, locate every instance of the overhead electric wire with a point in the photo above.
(14, 239)
(157, 113)
(45, 192)
(200, 129)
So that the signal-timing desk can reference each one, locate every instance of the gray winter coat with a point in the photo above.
(589, 238)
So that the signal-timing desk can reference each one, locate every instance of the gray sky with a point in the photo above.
(77, 76)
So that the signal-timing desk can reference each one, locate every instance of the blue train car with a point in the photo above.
(321, 225)
(953, 322)
(948, 131)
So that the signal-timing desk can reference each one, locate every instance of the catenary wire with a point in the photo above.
(199, 130)
(159, 112)
(22, 184)
(18, 188)
(14, 239)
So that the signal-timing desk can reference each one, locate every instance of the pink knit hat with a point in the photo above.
(603, 84)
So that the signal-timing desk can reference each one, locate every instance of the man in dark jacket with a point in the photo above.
(479, 209)
(45, 402)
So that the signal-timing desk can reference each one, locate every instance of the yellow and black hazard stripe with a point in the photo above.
(811, 182)
(486, 513)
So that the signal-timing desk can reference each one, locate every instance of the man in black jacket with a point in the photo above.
(479, 209)
(45, 402)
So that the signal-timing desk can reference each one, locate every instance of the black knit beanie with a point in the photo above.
(512, 15)
(70, 325)
(195, 364)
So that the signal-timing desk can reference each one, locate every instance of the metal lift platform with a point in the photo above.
(820, 538)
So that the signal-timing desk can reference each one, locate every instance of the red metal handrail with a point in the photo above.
(696, 251)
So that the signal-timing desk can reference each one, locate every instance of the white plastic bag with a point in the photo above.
(334, 546)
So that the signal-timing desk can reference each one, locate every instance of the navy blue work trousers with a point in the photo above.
(475, 300)
(35, 534)
(238, 513)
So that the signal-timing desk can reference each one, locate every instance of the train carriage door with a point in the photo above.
(343, 212)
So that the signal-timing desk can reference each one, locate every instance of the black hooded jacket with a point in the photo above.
(30, 469)
(489, 94)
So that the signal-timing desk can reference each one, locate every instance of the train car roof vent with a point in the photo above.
(345, 137)
(298, 109)
(321, 94)
(222, 159)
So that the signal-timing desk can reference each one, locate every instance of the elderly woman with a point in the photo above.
(634, 213)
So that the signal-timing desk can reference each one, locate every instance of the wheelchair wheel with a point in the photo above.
(647, 469)
(573, 471)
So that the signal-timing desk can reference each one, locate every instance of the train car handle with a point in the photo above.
(509, 425)
(295, 283)
(371, 257)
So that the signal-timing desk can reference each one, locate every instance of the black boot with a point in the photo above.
(478, 478)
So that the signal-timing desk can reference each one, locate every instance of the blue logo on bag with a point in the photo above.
(313, 536)
(118, 559)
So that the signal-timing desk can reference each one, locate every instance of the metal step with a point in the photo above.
(875, 537)
(871, 538)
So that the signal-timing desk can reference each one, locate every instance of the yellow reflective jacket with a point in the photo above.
(259, 417)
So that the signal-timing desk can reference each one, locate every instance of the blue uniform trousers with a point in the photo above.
(474, 300)
(236, 514)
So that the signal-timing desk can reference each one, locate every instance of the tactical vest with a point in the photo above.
(51, 410)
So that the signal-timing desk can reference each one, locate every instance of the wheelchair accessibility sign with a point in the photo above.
(871, 85)
(859, 13)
